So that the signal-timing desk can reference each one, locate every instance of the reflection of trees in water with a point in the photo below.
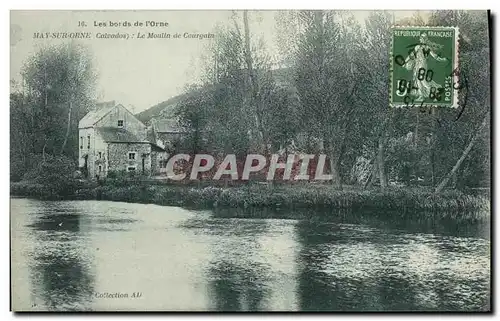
(421, 223)
(470, 290)
(64, 280)
(317, 290)
(238, 281)
(452, 292)
(410, 271)
(401, 279)
(237, 288)
(322, 291)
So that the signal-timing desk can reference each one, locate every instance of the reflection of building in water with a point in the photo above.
(60, 271)
(253, 268)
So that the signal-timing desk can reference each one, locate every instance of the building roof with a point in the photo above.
(121, 135)
(117, 135)
(97, 114)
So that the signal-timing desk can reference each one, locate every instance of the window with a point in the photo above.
(81, 142)
(88, 143)
(100, 168)
(120, 123)
(131, 155)
(131, 169)
(100, 155)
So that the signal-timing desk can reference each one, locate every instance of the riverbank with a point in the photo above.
(414, 203)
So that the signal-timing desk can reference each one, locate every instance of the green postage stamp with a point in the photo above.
(424, 67)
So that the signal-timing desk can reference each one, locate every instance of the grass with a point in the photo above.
(413, 203)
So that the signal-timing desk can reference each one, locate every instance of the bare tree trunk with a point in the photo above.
(334, 159)
(415, 138)
(433, 147)
(68, 128)
(462, 158)
(43, 152)
(253, 83)
(415, 155)
(433, 166)
(46, 86)
(334, 168)
(381, 163)
(216, 69)
(379, 166)
(373, 174)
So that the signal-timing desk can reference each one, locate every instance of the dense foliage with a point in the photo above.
(57, 91)
(326, 92)
(330, 94)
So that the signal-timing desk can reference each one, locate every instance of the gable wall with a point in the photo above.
(130, 122)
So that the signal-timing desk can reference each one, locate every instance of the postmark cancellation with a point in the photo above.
(424, 67)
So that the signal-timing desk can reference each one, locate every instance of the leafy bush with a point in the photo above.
(55, 173)
(30, 190)
(51, 170)
(121, 177)
(411, 204)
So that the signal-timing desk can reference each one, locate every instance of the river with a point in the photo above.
(112, 256)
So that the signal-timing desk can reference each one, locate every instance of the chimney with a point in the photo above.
(105, 104)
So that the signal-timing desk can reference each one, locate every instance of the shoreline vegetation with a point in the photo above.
(418, 203)
(299, 101)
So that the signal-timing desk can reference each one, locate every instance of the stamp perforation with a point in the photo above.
(454, 74)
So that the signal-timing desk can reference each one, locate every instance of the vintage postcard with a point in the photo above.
(250, 160)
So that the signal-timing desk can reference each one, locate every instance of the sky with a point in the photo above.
(138, 73)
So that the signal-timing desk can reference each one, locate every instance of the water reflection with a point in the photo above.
(65, 252)
(235, 288)
(252, 264)
(355, 268)
(369, 218)
(236, 274)
(61, 265)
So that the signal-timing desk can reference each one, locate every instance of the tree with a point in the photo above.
(466, 152)
(60, 81)
(326, 81)
(371, 64)
(457, 128)
(238, 90)
(58, 90)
